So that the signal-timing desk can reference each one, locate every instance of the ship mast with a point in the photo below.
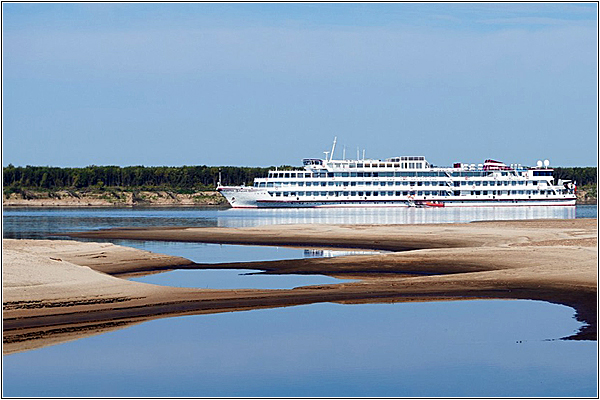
(333, 148)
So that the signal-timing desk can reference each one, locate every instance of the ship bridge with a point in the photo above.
(405, 162)
(312, 162)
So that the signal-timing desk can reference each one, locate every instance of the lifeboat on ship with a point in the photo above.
(422, 203)
(433, 204)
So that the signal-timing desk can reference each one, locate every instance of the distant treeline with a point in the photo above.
(186, 177)
(182, 178)
(582, 175)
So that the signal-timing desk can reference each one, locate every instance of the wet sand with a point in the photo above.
(62, 290)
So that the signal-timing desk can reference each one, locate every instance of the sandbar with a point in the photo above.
(57, 290)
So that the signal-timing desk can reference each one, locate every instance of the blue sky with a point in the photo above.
(268, 84)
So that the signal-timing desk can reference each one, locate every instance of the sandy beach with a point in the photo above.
(61, 290)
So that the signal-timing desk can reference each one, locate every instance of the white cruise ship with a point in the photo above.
(403, 182)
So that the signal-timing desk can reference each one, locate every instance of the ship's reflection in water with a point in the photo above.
(39, 223)
(387, 215)
(317, 253)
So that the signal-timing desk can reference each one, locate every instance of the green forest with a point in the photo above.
(584, 176)
(182, 179)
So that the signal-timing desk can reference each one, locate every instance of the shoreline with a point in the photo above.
(77, 288)
(113, 199)
(101, 204)
(110, 198)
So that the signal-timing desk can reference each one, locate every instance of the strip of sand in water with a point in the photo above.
(55, 291)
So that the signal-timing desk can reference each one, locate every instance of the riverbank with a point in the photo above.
(587, 195)
(62, 290)
(112, 198)
(156, 198)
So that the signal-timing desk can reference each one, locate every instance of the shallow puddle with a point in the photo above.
(234, 279)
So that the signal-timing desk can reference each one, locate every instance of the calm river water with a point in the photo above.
(460, 348)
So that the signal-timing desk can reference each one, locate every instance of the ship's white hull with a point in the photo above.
(250, 197)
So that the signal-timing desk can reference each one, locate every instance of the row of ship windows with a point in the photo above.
(411, 165)
(423, 174)
(397, 183)
(395, 163)
(417, 193)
